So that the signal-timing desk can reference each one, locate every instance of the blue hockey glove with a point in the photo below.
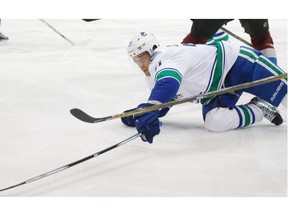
(148, 123)
(163, 111)
(129, 120)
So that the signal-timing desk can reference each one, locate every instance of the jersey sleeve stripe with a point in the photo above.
(171, 73)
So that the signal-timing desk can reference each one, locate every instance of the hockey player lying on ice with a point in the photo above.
(189, 70)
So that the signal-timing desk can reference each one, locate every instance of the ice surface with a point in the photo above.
(43, 77)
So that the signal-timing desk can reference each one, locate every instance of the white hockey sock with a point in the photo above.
(249, 114)
(223, 119)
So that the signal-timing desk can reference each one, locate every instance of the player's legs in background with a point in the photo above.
(203, 29)
(261, 39)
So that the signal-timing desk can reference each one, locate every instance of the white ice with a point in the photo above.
(43, 76)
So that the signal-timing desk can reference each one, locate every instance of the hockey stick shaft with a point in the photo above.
(212, 94)
(236, 36)
(86, 118)
(73, 163)
(55, 30)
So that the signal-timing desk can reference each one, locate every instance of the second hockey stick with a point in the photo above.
(73, 163)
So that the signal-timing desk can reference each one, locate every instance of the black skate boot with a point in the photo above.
(3, 37)
(270, 112)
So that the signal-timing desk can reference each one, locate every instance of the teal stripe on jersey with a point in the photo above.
(271, 67)
(169, 73)
(216, 78)
(248, 54)
(262, 60)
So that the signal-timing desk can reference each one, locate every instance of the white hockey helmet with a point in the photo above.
(142, 42)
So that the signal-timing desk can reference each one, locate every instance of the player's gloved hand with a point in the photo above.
(163, 111)
(148, 123)
(129, 120)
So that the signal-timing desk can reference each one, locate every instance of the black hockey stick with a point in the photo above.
(73, 163)
(79, 114)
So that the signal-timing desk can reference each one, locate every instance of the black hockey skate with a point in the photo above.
(3, 37)
(270, 112)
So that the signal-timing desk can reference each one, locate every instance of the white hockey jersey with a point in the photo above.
(193, 66)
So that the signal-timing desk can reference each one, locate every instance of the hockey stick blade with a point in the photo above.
(62, 168)
(87, 118)
(90, 20)
(79, 114)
